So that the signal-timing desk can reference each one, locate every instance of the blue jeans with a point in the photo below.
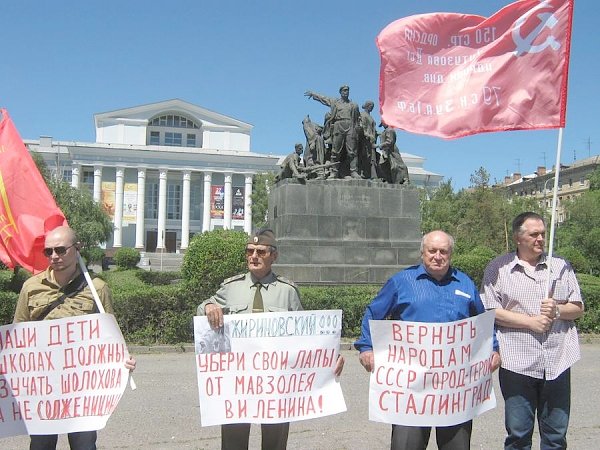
(524, 397)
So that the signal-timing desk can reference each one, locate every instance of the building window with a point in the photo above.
(174, 201)
(191, 140)
(168, 126)
(196, 202)
(87, 179)
(582, 181)
(172, 120)
(173, 139)
(151, 201)
(67, 175)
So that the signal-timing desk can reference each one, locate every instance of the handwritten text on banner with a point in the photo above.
(269, 367)
(431, 374)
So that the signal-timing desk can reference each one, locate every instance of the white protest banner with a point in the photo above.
(269, 367)
(431, 374)
(60, 376)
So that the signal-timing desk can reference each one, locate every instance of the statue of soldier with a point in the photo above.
(344, 120)
(292, 165)
(315, 144)
(391, 164)
(368, 158)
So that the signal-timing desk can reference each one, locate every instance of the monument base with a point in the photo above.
(344, 231)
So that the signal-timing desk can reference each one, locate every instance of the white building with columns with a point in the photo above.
(163, 172)
(167, 170)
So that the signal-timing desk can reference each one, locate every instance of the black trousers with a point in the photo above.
(235, 436)
(85, 440)
(456, 437)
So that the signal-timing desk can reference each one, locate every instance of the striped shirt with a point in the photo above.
(511, 285)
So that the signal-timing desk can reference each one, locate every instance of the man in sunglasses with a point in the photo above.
(258, 290)
(61, 291)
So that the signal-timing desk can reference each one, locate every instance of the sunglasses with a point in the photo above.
(60, 251)
(260, 252)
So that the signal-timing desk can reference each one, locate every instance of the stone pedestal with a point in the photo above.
(344, 231)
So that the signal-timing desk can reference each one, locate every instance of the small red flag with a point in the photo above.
(452, 75)
(27, 209)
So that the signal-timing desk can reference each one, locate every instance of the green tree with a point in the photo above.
(478, 216)
(594, 178)
(261, 186)
(85, 216)
(581, 230)
(212, 257)
(91, 223)
(439, 210)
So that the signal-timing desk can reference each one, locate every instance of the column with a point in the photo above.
(75, 175)
(185, 210)
(118, 222)
(228, 202)
(206, 205)
(162, 209)
(248, 204)
(139, 215)
(97, 183)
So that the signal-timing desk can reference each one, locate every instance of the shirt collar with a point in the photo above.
(422, 273)
(517, 262)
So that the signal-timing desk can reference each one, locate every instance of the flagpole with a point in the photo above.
(553, 216)
(101, 309)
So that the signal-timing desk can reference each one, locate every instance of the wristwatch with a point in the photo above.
(557, 313)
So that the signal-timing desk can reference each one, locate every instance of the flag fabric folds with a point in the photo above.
(452, 75)
(27, 208)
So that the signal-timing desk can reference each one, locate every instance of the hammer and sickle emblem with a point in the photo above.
(525, 44)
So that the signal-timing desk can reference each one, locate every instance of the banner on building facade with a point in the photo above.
(129, 201)
(431, 374)
(108, 198)
(269, 367)
(60, 376)
(238, 204)
(217, 202)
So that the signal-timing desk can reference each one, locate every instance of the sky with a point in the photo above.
(66, 60)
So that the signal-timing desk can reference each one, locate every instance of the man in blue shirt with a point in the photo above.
(433, 291)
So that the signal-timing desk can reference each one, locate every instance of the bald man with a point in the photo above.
(61, 291)
(432, 291)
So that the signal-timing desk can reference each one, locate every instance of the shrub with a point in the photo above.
(5, 280)
(472, 265)
(127, 258)
(576, 258)
(8, 302)
(150, 314)
(157, 278)
(212, 257)
(352, 300)
(92, 255)
(590, 291)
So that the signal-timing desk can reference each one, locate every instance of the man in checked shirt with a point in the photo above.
(537, 335)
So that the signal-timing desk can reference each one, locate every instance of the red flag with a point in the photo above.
(27, 208)
(452, 75)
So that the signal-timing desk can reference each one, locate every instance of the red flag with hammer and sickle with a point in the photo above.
(452, 75)
(27, 209)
